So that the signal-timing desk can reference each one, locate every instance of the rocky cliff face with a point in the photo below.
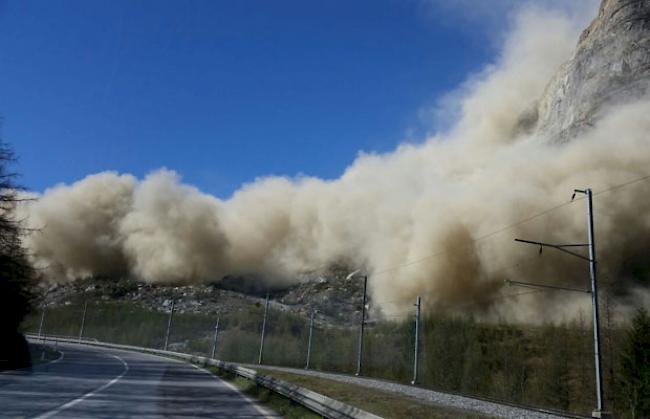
(611, 65)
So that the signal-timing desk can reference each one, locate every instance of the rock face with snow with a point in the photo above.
(611, 65)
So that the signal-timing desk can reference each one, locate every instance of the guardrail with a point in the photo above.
(316, 402)
(83, 339)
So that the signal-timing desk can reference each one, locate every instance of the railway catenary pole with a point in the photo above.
(416, 357)
(169, 324)
(600, 405)
(266, 313)
(600, 411)
(361, 326)
(311, 331)
(214, 342)
(83, 321)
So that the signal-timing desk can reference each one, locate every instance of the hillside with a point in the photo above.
(336, 300)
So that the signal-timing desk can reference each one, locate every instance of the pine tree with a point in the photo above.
(635, 366)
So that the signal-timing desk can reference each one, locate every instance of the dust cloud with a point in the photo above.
(427, 219)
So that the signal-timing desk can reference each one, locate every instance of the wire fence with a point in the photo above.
(545, 366)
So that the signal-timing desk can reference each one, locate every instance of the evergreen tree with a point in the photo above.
(635, 366)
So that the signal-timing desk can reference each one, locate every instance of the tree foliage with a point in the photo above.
(635, 366)
(16, 273)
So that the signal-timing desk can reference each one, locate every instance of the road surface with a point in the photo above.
(91, 382)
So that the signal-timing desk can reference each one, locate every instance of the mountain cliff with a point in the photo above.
(611, 65)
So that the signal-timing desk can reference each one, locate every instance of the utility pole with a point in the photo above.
(40, 326)
(266, 313)
(83, 321)
(216, 335)
(169, 324)
(311, 330)
(362, 325)
(599, 412)
(416, 357)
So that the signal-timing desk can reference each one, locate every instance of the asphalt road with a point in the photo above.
(89, 382)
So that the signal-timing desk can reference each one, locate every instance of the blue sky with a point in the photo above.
(222, 91)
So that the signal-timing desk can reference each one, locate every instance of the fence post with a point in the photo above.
(266, 313)
(40, 326)
(169, 325)
(362, 325)
(216, 335)
(83, 321)
(416, 357)
(311, 330)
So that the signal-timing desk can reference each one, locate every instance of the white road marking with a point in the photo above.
(78, 400)
(261, 409)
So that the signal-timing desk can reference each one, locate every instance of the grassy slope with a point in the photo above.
(382, 403)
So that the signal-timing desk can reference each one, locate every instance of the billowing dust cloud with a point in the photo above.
(426, 219)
